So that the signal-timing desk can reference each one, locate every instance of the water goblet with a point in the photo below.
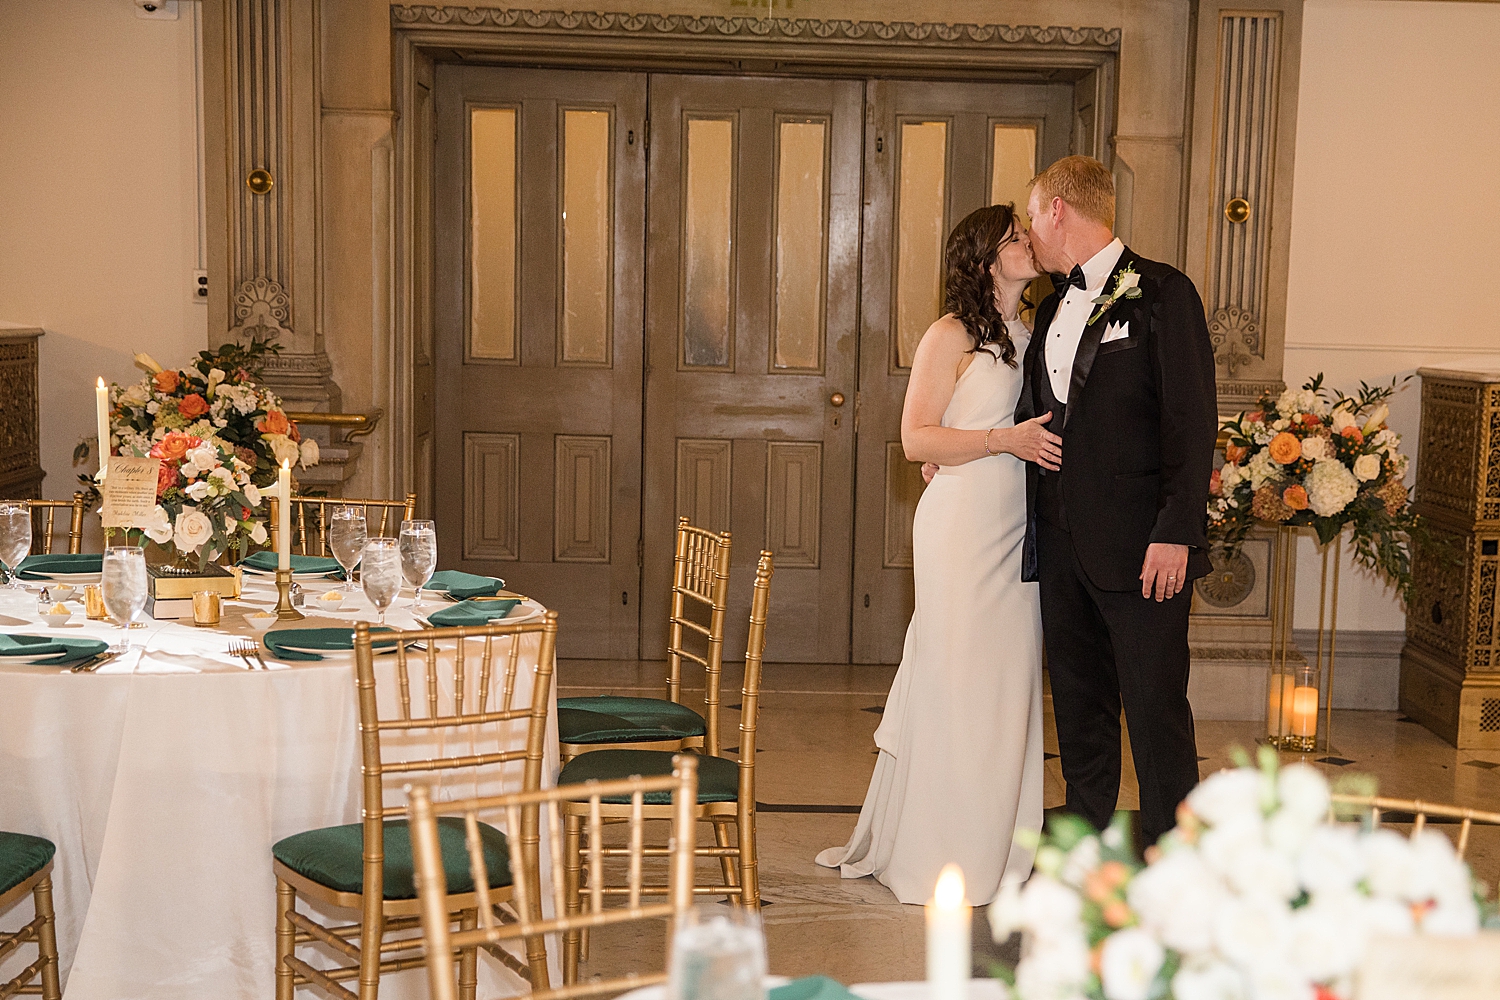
(380, 573)
(347, 535)
(418, 554)
(718, 953)
(15, 538)
(124, 585)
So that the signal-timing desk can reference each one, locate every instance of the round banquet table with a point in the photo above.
(165, 777)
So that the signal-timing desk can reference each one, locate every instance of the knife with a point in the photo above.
(94, 663)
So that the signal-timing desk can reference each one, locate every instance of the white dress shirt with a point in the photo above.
(1072, 316)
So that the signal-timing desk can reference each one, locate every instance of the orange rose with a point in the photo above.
(1286, 448)
(1235, 452)
(1114, 873)
(1294, 497)
(1311, 419)
(167, 477)
(1354, 432)
(174, 446)
(166, 380)
(1116, 914)
(192, 406)
(274, 422)
(1215, 482)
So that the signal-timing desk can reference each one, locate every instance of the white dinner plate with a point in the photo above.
(64, 577)
(271, 574)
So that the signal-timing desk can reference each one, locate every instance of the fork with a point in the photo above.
(244, 650)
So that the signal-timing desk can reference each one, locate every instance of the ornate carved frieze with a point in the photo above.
(1235, 333)
(261, 310)
(768, 28)
(1232, 579)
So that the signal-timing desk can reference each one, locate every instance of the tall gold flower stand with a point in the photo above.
(1298, 687)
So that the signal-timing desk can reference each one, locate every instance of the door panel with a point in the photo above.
(751, 306)
(935, 152)
(540, 180)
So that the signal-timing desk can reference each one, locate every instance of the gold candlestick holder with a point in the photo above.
(284, 610)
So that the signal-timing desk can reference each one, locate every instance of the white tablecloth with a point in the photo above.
(978, 989)
(165, 778)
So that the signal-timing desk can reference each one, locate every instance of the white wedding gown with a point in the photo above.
(959, 771)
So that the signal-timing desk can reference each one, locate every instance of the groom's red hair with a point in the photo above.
(1084, 183)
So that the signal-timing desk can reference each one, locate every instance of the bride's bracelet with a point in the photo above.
(987, 442)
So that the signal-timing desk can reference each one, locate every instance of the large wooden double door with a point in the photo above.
(662, 295)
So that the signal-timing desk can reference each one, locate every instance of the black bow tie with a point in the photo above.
(1074, 279)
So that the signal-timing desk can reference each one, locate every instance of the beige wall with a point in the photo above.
(98, 200)
(1395, 216)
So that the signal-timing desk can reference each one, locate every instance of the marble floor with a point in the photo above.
(814, 759)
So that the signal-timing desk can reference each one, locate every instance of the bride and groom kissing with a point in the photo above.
(1068, 471)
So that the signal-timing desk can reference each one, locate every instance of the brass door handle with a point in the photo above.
(837, 399)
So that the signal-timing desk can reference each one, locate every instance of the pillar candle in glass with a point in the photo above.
(1304, 722)
(1279, 706)
(948, 937)
(101, 408)
(284, 517)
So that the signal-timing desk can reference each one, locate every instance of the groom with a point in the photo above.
(1122, 360)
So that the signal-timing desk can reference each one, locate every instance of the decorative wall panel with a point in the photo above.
(1244, 152)
(580, 524)
(492, 496)
(794, 479)
(903, 488)
(703, 482)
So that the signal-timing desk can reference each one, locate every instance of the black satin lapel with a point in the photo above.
(1031, 363)
(1088, 344)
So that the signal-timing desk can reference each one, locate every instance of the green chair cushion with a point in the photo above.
(718, 777)
(615, 719)
(332, 857)
(22, 856)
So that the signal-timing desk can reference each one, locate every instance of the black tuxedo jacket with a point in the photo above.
(1139, 431)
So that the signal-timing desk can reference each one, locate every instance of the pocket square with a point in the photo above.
(1115, 331)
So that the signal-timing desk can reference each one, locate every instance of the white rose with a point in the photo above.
(1330, 487)
(1053, 969)
(1230, 476)
(198, 491)
(252, 493)
(1388, 863)
(1229, 794)
(283, 448)
(1278, 980)
(1331, 861)
(193, 529)
(1303, 790)
(135, 395)
(1341, 419)
(1314, 448)
(1253, 931)
(1176, 898)
(309, 452)
(1366, 467)
(158, 526)
(200, 460)
(1128, 963)
(1327, 937)
(1454, 918)
(1208, 980)
(1437, 872)
(1005, 913)
(1082, 859)
(1050, 908)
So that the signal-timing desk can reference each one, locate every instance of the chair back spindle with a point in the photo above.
(700, 579)
(310, 521)
(44, 523)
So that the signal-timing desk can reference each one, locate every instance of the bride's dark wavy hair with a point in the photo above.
(968, 288)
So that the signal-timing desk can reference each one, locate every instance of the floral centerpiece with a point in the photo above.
(1253, 896)
(220, 438)
(1313, 457)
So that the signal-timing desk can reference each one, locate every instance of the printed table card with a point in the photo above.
(129, 491)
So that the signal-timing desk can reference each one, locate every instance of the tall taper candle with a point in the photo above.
(284, 517)
(101, 406)
(948, 940)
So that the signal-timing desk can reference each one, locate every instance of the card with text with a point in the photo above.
(1430, 967)
(129, 491)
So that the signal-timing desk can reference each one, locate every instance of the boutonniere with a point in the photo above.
(1126, 287)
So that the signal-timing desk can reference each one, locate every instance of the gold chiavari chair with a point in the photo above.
(700, 582)
(44, 523)
(726, 795)
(309, 520)
(1376, 806)
(335, 866)
(26, 869)
(680, 790)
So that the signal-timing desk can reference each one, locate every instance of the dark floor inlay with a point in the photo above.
(1402, 718)
(1338, 761)
(763, 902)
(798, 807)
(876, 709)
(731, 750)
(1202, 759)
(736, 706)
(1488, 765)
(1049, 756)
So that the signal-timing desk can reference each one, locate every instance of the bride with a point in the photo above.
(959, 770)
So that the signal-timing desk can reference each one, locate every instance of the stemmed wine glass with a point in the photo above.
(15, 538)
(380, 573)
(718, 953)
(124, 586)
(418, 554)
(347, 536)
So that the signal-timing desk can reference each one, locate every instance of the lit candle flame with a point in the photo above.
(949, 893)
(100, 384)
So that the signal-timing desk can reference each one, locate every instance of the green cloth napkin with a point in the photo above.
(811, 988)
(265, 562)
(464, 585)
(470, 613)
(316, 638)
(56, 651)
(39, 567)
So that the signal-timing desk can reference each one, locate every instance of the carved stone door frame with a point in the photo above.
(425, 35)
